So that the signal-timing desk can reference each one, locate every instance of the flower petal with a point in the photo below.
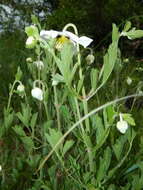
(72, 36)
(49, 34)
(85, 41)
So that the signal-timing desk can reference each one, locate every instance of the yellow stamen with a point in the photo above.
(60, 41)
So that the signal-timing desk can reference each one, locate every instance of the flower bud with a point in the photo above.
(29, 59)
(20, 88)
(39, 64)
(122, 125)
(90, 59)
(37, 93)
(129, 81)
(126, 60)
(30, 42)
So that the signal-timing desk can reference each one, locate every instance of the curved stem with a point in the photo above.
(81, 120)
(11, 93)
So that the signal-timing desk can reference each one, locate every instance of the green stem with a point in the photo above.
(78, 113)
(11, 93)
(57, 108)
(85, 105)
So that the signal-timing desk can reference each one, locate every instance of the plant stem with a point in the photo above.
(84, 101)
(57, 108)
(10, 94)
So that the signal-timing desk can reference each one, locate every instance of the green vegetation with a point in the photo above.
(71, 108)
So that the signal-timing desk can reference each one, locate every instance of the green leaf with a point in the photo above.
(53, 137)
(111, 187)
(101, 132)
(119, 146)
(115, 33)
(104, 164)
(111, 114)
(19, 131)
(28, 143)
(66, 63)
(99, 128)
(128, 117)
(18, 74)
(57, 78)
(127, 26)
(109, 61)
(34, 19)
(65, 113)
(91, 187)
(33, 120)
(94, 78)
(87, 141)
(8, 118)
(134, 34)
(24, 117)
(80, 84)
(68, 144)
(47, 125)
(74, 71)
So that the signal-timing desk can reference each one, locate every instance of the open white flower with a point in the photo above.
(0, 168)
(122, 125)
(37, 93)
(84, 41)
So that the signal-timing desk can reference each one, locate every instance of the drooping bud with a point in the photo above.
(90, 59)
(122, 125)
(37, 93)
(39, 64)
(129, 81)
(20, 88)
(29, 59)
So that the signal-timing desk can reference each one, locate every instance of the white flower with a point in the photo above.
(129, 81)
(39, 64)
(122, 125)
(0, 168)
(37, 93)
(20, 88)
(84, 41)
